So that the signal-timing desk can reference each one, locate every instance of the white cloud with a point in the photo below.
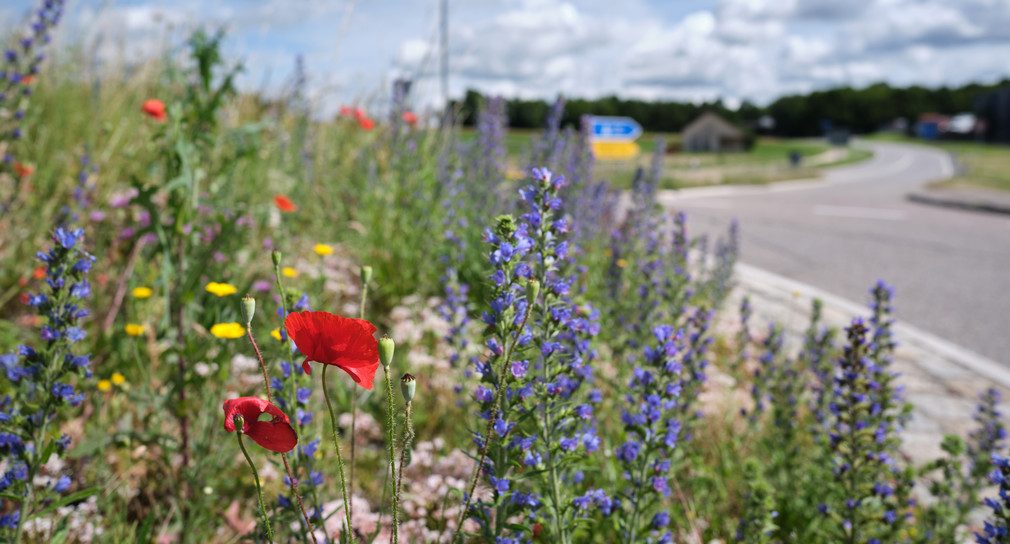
(806, 50)
(897, 23)
(691, 49)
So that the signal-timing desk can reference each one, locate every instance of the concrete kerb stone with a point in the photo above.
(966, 199)
(953, 198)
(941, 380)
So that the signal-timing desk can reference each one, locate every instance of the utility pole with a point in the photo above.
(444, 64)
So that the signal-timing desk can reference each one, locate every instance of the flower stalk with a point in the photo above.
(249, 309)
(340, 459)
(386, 349)
(239, 423)
(408, 385)
(490, 424)
(366, 276)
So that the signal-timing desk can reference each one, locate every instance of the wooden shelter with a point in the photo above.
(709, 132)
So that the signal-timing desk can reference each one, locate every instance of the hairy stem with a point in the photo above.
(490, 426)
(259, 489)
(392, 455)
(263, 365)
(354, 417)
(408, 437)
(354, 399)
(294, 488)
(280, 287)
(340, 459)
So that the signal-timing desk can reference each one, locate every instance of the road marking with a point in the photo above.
(897, 166)
(713, 204)
(860, 213)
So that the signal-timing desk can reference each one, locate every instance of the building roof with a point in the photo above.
(712, 121)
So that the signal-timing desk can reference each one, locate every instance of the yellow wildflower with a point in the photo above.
(221, 289)
(608, 252)
(104, 385)
(118, 379)
(227, 330)
(289, 272)
(135, 330)
(142, 292)
(513, 173)
(276, 333)
(621, 263)
(323, 249)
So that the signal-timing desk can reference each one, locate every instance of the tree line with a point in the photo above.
(860, 110)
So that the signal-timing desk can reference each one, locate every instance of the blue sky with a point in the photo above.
(688, 50)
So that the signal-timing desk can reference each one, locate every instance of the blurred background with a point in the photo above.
(736, 51)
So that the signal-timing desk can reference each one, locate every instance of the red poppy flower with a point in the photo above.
(346, 111)
(284, 204)
(39, 272)
(23, 170)
(365, 123)
(410, 117)
(28, 80)
(275, 434)
(155, 108)
(333, 340)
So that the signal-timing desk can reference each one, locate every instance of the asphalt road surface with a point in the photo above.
(950, 267)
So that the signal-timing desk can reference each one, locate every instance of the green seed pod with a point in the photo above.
(276, 256)
(366, 274)
(408, 385)
(239, 422)
(248, 309)
(386, 347)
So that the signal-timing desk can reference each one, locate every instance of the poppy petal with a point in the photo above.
(306, 367)
(333, 340)
(363, 376)
(276, 435)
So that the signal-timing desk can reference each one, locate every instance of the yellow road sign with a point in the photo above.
(615, 151)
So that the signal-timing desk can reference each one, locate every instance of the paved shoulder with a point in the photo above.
(856, 225)
(942, 380)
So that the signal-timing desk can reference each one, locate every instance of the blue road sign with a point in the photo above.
(614, 128)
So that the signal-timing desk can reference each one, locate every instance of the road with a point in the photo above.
(950, 268)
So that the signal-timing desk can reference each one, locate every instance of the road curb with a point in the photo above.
(907, 334)
(954, 201)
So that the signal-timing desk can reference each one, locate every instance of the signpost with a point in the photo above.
(613, 138)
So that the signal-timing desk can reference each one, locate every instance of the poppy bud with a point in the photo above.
(276, 256)
(532, 290)
(248, 309)
(408, 384)
(366, 274)
(386, 347)
(239, 422)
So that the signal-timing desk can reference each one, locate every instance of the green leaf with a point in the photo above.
(61, 535)
(144, 530)
(80, 495)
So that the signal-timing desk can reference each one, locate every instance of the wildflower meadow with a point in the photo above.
(227, 317)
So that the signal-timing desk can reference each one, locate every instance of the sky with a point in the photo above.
(689, 50)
